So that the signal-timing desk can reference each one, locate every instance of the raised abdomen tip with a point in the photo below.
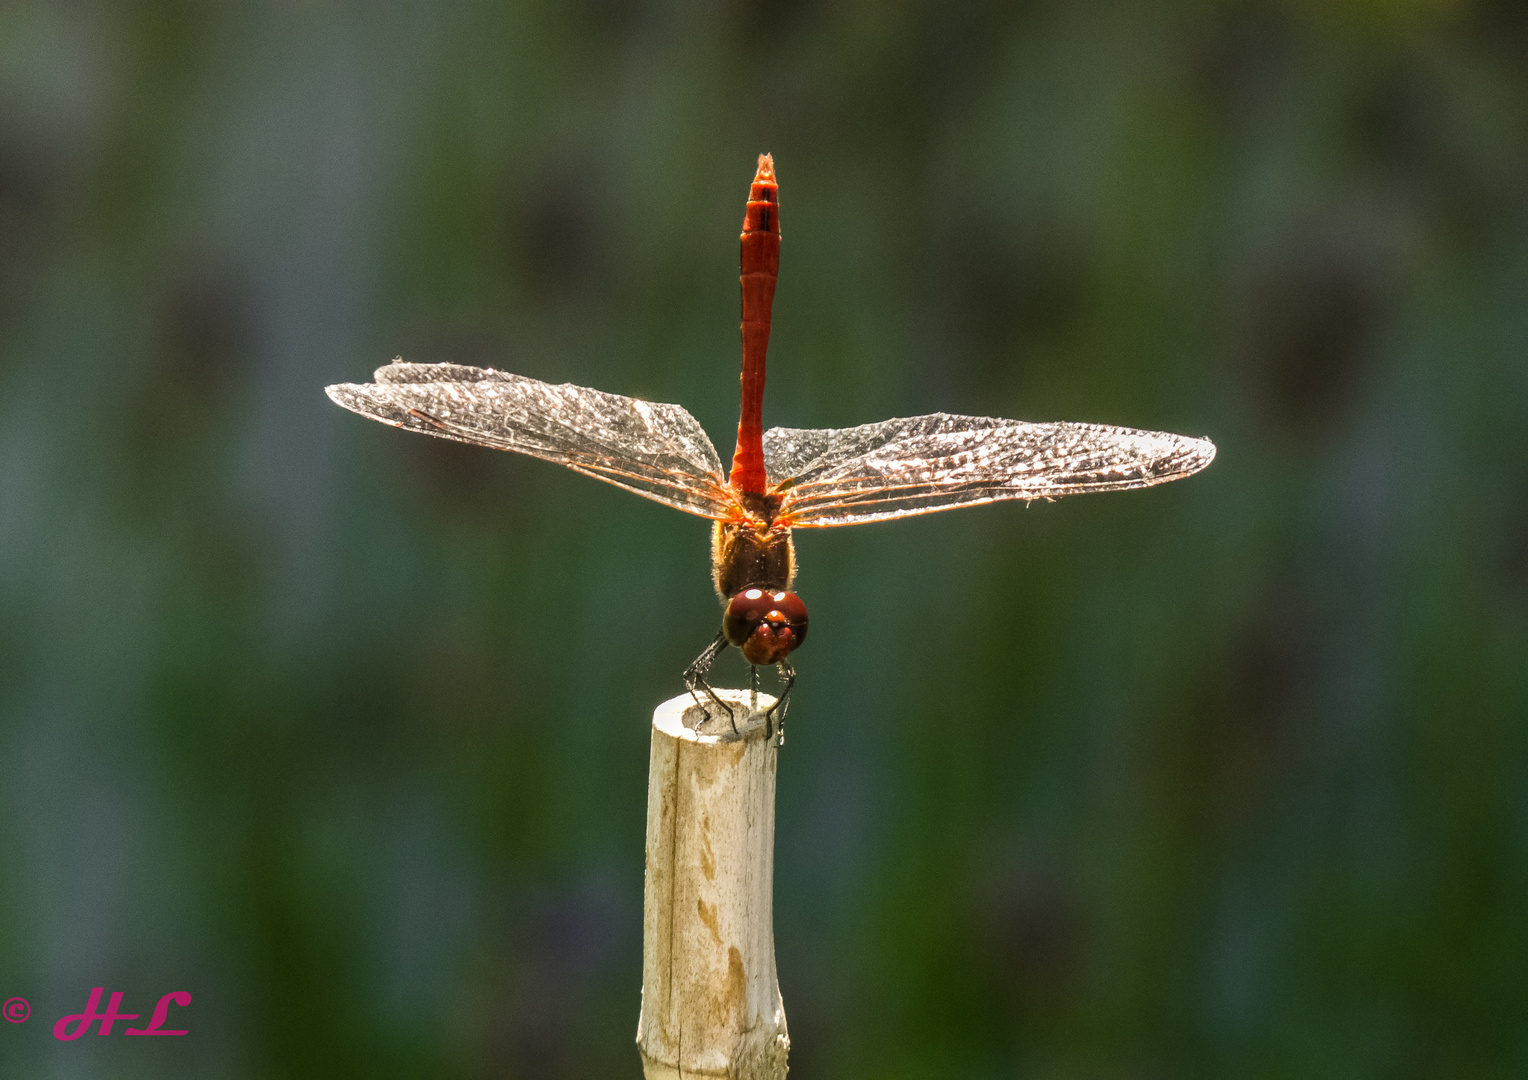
(766, 173)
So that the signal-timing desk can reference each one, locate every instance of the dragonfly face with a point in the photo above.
(781, 479)
(766, 626)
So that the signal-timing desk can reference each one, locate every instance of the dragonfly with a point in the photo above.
(780, 480)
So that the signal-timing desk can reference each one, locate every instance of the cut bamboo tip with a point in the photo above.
(710, 999)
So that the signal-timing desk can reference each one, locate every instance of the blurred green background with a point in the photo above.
(344, 730)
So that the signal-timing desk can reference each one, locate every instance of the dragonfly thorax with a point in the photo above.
(766, 625)
(751, 555)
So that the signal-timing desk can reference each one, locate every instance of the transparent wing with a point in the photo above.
(925, 463)
(659, 451)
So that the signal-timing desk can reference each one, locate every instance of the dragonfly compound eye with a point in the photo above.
(765, 625)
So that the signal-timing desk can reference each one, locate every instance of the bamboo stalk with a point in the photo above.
(710, 999)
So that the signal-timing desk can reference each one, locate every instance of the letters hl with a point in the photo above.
(83, 1020)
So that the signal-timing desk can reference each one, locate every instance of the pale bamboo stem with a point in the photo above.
(710, 1000)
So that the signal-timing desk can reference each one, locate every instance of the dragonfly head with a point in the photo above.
(765, 625)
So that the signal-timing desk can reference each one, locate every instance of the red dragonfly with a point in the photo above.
(781, 479)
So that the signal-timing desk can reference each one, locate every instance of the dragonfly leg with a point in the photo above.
(753, 702)
(695, 678)
(788, 676)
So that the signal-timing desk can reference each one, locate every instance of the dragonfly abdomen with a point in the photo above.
(760, 269)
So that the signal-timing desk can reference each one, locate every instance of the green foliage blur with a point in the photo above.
(344, 730)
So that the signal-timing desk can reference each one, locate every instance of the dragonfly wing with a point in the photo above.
(921, 464)
(655, 450)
